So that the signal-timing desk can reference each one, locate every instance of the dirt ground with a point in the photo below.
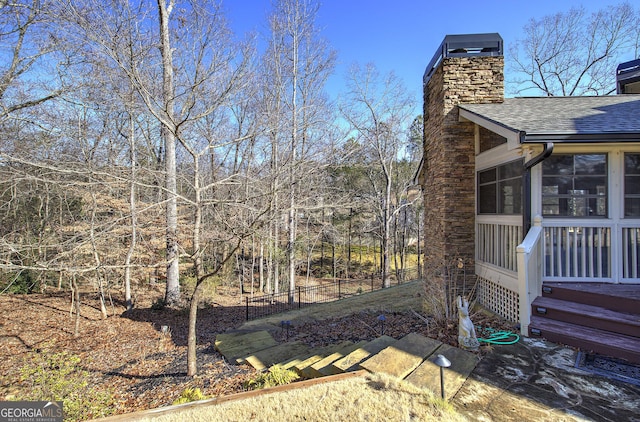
(144, 366)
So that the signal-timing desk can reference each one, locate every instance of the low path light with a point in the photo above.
(381, 320)
(442, 362)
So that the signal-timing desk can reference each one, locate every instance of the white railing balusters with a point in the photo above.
(630, 252)
(497, 243)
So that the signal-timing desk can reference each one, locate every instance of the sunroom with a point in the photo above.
(558, 196)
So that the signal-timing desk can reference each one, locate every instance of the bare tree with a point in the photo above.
(24, 48)
(379, 111)
(575, 53)
(301, 62)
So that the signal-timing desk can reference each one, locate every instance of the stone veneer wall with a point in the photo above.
(449, 158)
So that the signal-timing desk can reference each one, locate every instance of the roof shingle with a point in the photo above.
(558, 116)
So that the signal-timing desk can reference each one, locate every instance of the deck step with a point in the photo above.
(587, 315)
(588, 339)
(618, 297)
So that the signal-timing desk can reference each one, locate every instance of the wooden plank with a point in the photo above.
(617, 297)
(325, 366)
(352, 361)
(301, 368)
(263, 359)
(235, 346)
(588, 339)
(588, 315)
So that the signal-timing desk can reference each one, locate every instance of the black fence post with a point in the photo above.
(299, 297)
(247, 307)
(339, 289)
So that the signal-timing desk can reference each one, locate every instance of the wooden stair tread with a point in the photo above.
(600, 341)
(618, 297)
(631, 291)
(587, 311)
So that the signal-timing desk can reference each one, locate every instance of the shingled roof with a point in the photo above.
(613, 118)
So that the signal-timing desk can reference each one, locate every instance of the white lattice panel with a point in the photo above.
(498, 299)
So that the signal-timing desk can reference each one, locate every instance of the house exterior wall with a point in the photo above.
(449, 157)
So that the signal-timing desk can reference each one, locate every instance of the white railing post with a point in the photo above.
(530, 258)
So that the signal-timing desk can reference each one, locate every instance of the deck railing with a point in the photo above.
(598, 251)
(496, 243)
(530, 267)
(578, 251)
(631, 252)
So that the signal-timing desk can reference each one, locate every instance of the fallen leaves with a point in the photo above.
(144, 365)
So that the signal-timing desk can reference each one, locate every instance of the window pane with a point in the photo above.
(564, 206)
(590, 164)
(551, 206)
(558, 164)
(557, 185)
(487, 176)
(510, 170)
(500, 189)
(632, 207)
(575, 185)
(632, 185)
(592, 185)
(632, 164)
(511, 197)
(487, 199)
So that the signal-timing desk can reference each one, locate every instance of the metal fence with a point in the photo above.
(330, 291)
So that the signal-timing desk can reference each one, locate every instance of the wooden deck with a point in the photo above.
(595, 317)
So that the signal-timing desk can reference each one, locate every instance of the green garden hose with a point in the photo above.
(493, 336)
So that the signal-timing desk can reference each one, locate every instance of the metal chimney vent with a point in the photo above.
(628, 77)
(468, 45)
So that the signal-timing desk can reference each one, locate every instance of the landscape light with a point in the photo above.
(442, 362)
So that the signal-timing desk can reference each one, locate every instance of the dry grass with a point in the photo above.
(394, 299)
(374, 397)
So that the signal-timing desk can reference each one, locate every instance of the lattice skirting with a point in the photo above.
(498, 299)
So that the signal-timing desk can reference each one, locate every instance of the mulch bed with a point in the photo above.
(144, 367)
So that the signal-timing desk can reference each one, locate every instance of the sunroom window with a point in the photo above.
(632, 185)
(500, 189)
(574, 185)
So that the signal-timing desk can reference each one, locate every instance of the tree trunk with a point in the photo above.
(76, 295)
(172, 293)
(192, 363)
(261, 266)
(386, 265)
(132, 209)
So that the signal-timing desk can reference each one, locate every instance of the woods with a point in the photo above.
(145, 142)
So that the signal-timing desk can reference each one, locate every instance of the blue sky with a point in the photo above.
(403, 35)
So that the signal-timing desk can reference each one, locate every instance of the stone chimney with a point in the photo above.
(465, 69)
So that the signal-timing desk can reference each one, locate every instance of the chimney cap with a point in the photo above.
(465, 45)
(628, 77)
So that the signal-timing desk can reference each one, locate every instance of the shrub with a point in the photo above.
(58, 377)
(276, 375)
(190, 394)
(22, 282)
